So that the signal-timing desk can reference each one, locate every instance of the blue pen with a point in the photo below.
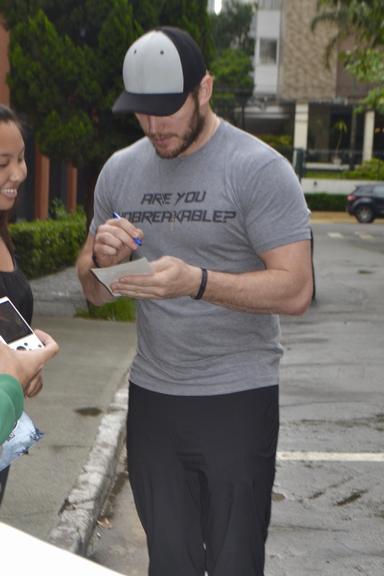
(137, 241)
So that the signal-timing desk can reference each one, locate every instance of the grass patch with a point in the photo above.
(120, 310)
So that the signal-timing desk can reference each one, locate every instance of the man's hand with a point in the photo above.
(171, 278)
(26, 365)
(114, 241)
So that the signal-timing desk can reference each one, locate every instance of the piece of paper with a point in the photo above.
(20, 552)
(109, 275)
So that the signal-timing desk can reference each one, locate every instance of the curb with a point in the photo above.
(82, 507)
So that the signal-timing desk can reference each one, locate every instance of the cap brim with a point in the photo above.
(151, 104)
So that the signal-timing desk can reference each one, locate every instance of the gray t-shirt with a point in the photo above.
(218, 208)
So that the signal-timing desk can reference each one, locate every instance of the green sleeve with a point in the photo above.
(11, 404)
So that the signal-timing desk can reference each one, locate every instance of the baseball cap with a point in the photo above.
(160, 69)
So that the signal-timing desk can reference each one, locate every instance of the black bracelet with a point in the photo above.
(94, 260)
(203, 284)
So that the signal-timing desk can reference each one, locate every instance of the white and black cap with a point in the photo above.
(160, 69)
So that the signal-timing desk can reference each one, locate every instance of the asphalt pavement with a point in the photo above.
(72, 489)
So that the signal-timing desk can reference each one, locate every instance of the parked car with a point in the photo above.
(366, 202)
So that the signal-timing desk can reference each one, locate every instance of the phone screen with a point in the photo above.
(12, 325)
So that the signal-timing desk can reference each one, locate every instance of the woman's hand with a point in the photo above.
(26, 365)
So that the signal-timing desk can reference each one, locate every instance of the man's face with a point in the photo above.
(174, 135)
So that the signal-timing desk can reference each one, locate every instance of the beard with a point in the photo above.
(186, 139)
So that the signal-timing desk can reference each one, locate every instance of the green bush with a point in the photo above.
(326, 202)
(370, 170)
(47, 246)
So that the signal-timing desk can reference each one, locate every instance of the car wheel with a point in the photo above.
(364, 214)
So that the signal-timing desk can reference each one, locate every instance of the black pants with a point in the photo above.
(201, 471)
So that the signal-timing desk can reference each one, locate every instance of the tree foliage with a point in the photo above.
(234, 83)
(231, 27)
(66, 72)
(232, 65)
(66, 61)
(191, 15)
(363, 21)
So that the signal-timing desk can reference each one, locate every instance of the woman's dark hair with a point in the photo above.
(6, 116)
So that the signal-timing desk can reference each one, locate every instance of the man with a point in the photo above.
(19, 371)
(223, 221)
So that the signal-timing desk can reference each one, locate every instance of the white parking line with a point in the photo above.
(361, 235)
(365, 236)
(331, 456)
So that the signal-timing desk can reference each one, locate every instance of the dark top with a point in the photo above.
(16, 287)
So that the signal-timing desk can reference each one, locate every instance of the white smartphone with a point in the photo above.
(14, 330)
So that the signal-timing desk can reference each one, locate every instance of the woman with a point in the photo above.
(13, 283)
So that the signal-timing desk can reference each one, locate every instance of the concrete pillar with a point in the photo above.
(369, 129)
(71, 188)
(301, 125)
(41, 185)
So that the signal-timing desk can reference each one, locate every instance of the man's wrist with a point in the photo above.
(203, 284)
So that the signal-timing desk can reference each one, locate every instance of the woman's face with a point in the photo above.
(13, 169)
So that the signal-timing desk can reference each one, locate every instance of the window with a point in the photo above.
(268, 51)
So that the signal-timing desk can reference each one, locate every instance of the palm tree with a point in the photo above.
(341, 128)
(358, 18)
(363, 21)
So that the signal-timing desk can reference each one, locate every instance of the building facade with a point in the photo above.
(296, 93)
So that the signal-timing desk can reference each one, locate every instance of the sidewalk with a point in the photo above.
(56, 492)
